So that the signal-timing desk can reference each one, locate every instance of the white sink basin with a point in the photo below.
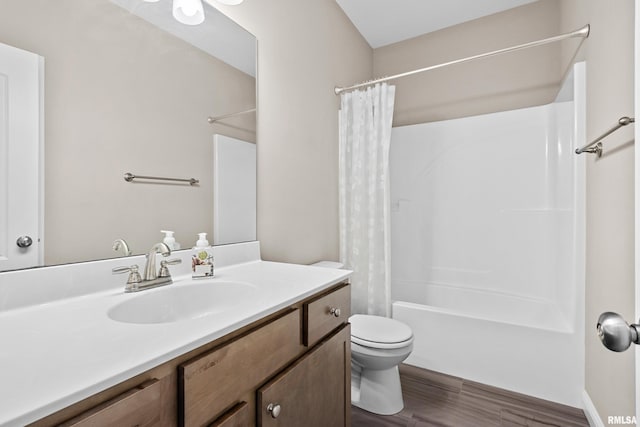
(177, 301)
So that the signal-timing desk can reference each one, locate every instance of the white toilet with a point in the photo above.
(378, 346)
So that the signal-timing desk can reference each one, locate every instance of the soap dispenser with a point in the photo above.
(202, 259)
(169, 240)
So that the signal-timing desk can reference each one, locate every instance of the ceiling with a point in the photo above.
(382, 22)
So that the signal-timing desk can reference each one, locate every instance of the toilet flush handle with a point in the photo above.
(334, 311)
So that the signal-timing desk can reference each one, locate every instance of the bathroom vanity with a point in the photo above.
(280, 356)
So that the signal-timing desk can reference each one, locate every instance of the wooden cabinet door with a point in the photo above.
(313, 391)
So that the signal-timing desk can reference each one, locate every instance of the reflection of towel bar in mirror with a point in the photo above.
(129, 177)
(595, 147)
(212, 120)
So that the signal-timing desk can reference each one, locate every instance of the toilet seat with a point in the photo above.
(379, 332)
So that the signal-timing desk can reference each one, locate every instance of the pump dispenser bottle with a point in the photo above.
(202, 259)
(169, 240)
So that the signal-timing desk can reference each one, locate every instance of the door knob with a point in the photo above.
(615, 333)
(24, 241)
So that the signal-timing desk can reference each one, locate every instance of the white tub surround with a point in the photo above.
(61, 347)
(487, 243)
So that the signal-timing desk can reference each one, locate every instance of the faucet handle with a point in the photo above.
(134, 276)
(164, 269)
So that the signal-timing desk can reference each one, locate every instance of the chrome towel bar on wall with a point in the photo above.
(212, 120)
(129, 177)
(596, 145)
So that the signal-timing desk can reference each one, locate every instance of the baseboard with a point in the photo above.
(590, 411)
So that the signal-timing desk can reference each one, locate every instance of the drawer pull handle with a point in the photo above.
(274, 409)
(334, 311)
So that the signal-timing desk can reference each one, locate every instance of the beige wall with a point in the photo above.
(514, 80)
(122, 96)
(610, 195)
(305, 48)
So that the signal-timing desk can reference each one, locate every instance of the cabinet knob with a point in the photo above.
(334, 311)
(274, 409)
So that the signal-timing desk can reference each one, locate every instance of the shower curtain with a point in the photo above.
(365, 135)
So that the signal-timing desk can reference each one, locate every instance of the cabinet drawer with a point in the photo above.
(211, 383)
(139, 406)
(325, 313)
(238, 416)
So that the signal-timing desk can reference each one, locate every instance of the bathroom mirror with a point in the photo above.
(127, 89)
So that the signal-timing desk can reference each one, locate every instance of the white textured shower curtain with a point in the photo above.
(365, 136)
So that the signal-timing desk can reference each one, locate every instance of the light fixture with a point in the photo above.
(189, 12)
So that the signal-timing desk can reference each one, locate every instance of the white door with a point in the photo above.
(637, 198)
(20, 158)
(234, 190)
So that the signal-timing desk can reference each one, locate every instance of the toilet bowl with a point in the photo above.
(378, 346)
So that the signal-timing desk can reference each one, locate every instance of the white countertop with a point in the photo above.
(58, 353)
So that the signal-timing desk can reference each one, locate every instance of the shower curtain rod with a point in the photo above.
(582, 32)
(226, 116)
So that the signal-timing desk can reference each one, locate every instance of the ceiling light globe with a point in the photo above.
(188, 12)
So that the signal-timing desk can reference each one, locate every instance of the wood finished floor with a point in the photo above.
(434, 399)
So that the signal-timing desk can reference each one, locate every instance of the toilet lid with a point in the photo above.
(371, 330)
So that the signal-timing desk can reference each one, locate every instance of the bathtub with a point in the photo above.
(491, 347)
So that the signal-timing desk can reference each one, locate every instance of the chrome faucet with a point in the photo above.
(150, 272)
(121, 244)
(150, 278)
